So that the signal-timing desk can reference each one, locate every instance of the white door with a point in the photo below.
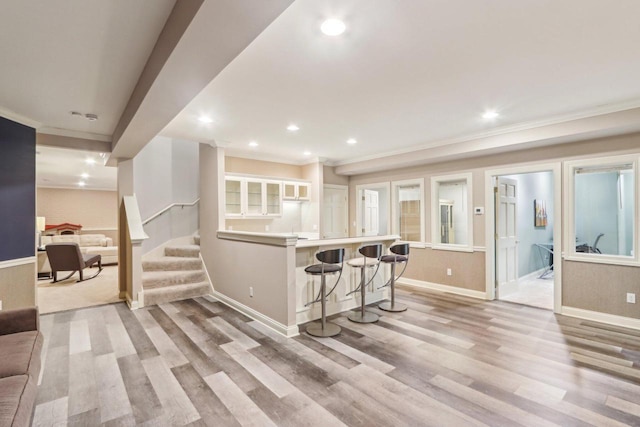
(506, 238)
(335, 213)
(370, 212)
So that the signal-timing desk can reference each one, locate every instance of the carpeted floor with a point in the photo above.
(69, 294)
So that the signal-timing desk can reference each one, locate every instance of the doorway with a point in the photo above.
(372, 209)
(76, 202)
(335, 213)
(523, 228)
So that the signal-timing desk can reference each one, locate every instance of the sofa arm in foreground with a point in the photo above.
(19, 320)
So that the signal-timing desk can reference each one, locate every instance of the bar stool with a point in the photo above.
(370, 258)
(400, 256)
(329, 265)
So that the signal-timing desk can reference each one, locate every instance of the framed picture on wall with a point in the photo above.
(539, 213)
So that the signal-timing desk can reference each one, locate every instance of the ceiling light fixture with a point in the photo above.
(351, 141)
(307, 153)
(333, 27)
(292, 127)
(90, 161)
(85, 175)
(81, 184)
(205, 119)
(490, 115)
(253, 144)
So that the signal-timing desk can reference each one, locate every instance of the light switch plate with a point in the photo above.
(478, 210)
(631, 298)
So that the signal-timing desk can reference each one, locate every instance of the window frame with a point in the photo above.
(395, 227)
(569, 251)
(436, 181)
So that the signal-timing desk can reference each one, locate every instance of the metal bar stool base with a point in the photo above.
(359, 317)
(330, 330)
(395, 308)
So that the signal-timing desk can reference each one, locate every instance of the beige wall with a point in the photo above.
(262, 168)
(593, 287)
(18, 286)
(330, 177)
(91, 209)
(600, 287)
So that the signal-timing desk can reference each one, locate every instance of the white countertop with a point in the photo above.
(286, 239)
(310, 243)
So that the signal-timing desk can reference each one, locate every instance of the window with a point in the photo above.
(408, 210)
(602, 209)
(451, 216)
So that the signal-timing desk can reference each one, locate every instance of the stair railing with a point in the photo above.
(180, 222)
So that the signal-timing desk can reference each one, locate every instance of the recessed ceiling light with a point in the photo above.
(85, 175)
(307, 153)
(81, 184)
(292, 127)
(333, 27)
(90, 161)
(351, 141)
(253, 144)
(490, 115)
(205, 119)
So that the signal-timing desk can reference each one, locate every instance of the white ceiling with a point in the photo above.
(413, 74)
(63, 168)
(75, 55)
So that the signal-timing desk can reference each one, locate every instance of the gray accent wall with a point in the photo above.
(532, 186)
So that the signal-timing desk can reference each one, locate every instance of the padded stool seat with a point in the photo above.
(394, 258)
(359, 262)
(320, 268)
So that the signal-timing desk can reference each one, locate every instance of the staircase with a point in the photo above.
(177, 275)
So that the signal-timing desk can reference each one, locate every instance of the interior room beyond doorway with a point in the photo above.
(524, 227)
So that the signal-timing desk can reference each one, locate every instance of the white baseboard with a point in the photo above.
(443, 288)
(133, 305)
(206, 272)
(532, 275)
(287, 331)
(611, 319)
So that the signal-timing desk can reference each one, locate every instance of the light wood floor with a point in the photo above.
(448, 361)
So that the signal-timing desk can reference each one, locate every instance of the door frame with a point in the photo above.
(358, 200)
(490, 258)
(344, 188)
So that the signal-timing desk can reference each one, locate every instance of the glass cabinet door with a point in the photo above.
(303, 192)
(254, 198)
(289, 190)
(233, 198)
(274, 198)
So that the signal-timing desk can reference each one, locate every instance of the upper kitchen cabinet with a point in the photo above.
(297, 190)
(252, 198)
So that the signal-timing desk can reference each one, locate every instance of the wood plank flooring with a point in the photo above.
(447, 361)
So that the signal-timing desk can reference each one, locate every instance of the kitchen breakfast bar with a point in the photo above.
(266, 279)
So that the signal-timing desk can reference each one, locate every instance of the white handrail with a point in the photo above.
(157, 214)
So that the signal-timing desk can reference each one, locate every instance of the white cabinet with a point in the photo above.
(296, 190)
(252, 198)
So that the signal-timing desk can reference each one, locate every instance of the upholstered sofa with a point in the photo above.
(20, 364)
(91, 244)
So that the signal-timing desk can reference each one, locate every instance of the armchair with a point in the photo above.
(67, 257)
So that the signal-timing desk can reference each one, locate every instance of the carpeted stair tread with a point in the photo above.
(160, 279)
(171, 263)
(175, 293)
(188, 251)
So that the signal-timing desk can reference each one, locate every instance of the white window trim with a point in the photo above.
(570, 253)
(394, 210)
(359, 187)
(435, 212)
